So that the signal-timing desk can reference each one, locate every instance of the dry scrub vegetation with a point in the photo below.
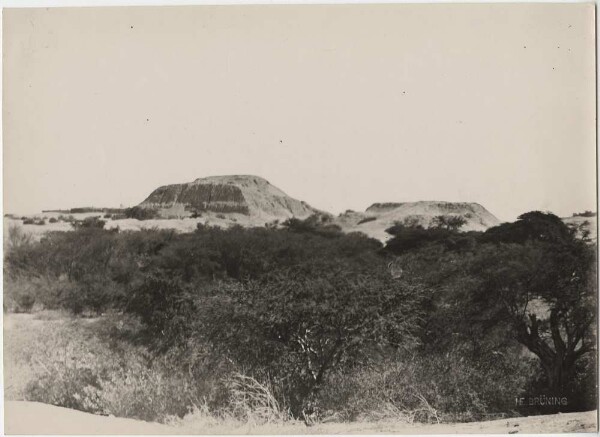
(303, 323)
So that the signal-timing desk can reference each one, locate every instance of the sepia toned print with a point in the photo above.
(300, 219)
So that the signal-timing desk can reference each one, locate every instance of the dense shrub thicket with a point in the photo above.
(475, 320)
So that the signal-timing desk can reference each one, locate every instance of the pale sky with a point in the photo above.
(339, 106)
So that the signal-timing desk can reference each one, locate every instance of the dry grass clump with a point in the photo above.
(17, 237)
(423, 412)
(254, 402)
(250, 404)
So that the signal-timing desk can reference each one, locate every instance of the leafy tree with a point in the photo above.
(547, 294)
(531, 281)
(450, 222)
(299, 324)
(406, 239)
(534, 225)
(316, 223)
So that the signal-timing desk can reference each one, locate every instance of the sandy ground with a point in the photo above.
(348, 223)
(36, 418)
(179, 225)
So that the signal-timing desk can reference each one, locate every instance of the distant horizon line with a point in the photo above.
(249, 175)
(99, 209)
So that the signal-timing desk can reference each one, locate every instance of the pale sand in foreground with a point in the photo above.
(36, 418)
